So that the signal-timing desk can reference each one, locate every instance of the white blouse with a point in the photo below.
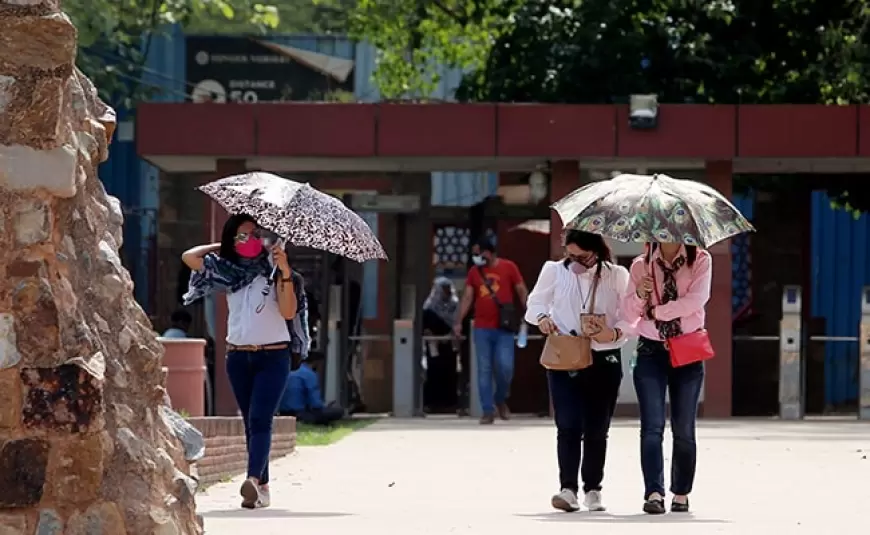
(564, 295)
(246, 326)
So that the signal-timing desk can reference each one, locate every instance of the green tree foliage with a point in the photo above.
(601, 51)
(413, 36)
(719, 51)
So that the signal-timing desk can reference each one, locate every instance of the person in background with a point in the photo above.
(492, 285)
(439, 310)
(583, 400)
(181, 321)
(303, 398)
(258, 338)
(667, 292)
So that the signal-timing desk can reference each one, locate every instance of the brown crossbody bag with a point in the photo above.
(566, 352)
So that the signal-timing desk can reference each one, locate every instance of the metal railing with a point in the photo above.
(792, 361)
(791, 341)
(776, 338)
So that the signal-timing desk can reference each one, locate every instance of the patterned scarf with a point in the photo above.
(221, 275)
(442, 305)
(672, 328)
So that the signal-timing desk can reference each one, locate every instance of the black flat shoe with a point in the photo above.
(654, 507)
(677, 507)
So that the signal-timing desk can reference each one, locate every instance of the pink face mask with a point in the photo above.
(578, 268)
(250, 248)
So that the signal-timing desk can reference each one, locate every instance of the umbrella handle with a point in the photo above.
(272, 277)
(266, 290)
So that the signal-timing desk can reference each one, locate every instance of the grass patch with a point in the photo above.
(319, 435)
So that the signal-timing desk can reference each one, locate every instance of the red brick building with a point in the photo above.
(372, 146)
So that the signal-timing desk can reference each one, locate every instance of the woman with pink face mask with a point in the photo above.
(260, 336)
(583, 400)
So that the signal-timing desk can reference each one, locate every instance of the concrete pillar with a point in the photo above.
(718, 384)
(564, 178)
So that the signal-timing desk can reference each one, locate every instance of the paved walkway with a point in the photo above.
(438, 476)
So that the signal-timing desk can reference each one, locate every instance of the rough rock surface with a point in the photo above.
(83, 449)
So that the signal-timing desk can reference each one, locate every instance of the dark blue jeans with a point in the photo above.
(583, 405)
(653, 376)
(258, 379)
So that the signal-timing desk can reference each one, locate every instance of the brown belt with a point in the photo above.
(270, 347)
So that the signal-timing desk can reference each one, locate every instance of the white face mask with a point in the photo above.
(478, 260)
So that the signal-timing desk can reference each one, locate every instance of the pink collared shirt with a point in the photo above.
(693, 288)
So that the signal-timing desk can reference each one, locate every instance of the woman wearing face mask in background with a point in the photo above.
(583, 400)
(439, 390)
(258, 338)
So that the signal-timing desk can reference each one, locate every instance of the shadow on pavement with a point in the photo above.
(607, 518)
(795, 437)
(270, 513)
(447, 422)
(740, 429)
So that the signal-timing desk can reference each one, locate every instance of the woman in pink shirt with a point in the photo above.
(668, 289)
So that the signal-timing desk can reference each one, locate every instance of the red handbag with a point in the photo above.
(689, 348)
(686, 348)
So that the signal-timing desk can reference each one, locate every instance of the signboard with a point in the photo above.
(242, 69)
(396, 204)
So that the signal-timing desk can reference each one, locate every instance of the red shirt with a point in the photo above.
(503, 277)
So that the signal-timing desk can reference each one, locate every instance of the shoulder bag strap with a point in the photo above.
(488, 285)
(594, 291)
(595, 282)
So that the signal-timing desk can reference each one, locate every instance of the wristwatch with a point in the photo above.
(542, 316)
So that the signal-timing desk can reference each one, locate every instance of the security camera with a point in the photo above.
(643, 112)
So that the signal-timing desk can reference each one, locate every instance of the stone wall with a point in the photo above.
(225, 453)
(83, 449)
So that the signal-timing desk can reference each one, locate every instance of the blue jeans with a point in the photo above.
(495, 363)
(258, 379)
(653, 375)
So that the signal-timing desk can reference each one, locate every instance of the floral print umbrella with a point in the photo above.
(298, 213)
(657, 208)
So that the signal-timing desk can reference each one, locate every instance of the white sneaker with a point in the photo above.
(265, 499)
(592, 501)
(254, 496)
(250, 494)
(566, 501)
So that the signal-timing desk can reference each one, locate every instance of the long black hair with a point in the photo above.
(228, 236)
(691, 253)
(589, 242)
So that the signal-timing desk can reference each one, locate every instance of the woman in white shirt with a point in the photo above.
(583, 400)
(259, 340)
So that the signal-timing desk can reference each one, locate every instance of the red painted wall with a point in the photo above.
(550, 131)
